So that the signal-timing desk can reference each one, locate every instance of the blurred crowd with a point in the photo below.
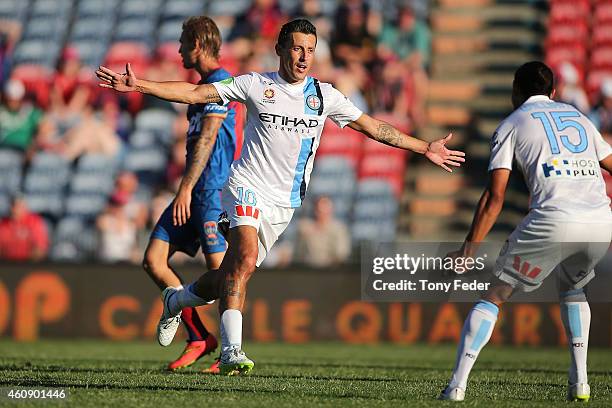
(378, 58)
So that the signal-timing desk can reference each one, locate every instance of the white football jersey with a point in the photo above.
(558, 150)
(283, 131)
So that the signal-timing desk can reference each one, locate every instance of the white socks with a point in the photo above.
(576, 318)
(184, 298)
(476, 332)
(231, 330)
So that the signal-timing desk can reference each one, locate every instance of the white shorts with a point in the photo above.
(243, 206)
(538, 247)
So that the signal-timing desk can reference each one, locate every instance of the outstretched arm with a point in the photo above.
(173, 91)
(387, 134)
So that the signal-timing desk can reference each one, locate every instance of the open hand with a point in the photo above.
(125, 82)
(181, 207)
(438, 154)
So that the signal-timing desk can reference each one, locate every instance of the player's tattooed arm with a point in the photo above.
(383, 132)
(173, 91)
(181, 207)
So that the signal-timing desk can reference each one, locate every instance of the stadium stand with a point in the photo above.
(475, 47)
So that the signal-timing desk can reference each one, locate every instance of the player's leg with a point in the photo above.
(528, 257)
(576, 317)
(239, 264)
(155, 264)
(167, 238)
(476, 332)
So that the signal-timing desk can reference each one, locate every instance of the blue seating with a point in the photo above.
(105, 10)
(159, 122)
(85, 205)
(170, 31)
(40, 52)
(11, 162)
(135, 30)
(228, 8)
(375, 211)
(13, 9)
(91, 28)
(73, 240)
(46, 203)
(47, 28)
(181, 9)
(91, 52)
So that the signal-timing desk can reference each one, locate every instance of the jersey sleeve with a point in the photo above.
(214, 109)
(602, 147)
(341, 109)
(234, 88)
(502, 147)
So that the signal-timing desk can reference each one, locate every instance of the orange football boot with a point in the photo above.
(194, 350)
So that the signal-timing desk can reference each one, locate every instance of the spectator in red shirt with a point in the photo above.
(23, 234)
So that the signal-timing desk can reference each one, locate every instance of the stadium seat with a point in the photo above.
(73, 240)
(340, 142)
(138, 30)
(601, 58)
(181, 9)
(13, 10)
(91, 52)
(47, 28)
(149, 164)
(85, 205)
(91, 28)
(157, 121)
(137, 9)
(121, 53)
(49, 204)
(45, 183)
(41, 52)
(5, 204)
(170, 31)
(227, 8)
(11, 164)
(105, 10)
(50, 8)
(333, 176)
(375, 212)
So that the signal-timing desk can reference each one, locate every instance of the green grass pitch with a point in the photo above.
(99, 373)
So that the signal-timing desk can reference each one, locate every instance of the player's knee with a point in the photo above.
(149, 263)
(246, 262)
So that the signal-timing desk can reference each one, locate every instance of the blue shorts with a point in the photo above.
(201, 228)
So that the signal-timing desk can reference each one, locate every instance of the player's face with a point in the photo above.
(297, 60)
(189, 52)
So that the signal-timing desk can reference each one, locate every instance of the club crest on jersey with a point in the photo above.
(269, 95)
(313, 102)
(210, 229)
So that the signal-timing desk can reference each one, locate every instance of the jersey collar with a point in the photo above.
(537, 98)
(298, 87)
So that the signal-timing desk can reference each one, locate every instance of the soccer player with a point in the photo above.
(190, 221)
(568, 228)
(286, 113)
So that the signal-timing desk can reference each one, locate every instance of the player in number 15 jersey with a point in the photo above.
(568, 228)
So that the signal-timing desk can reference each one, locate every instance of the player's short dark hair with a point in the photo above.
(534, 78)
(299, 25)
(203, 29)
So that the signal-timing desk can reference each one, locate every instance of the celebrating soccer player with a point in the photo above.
(568, 228)
(286, 113)
(190, 221)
